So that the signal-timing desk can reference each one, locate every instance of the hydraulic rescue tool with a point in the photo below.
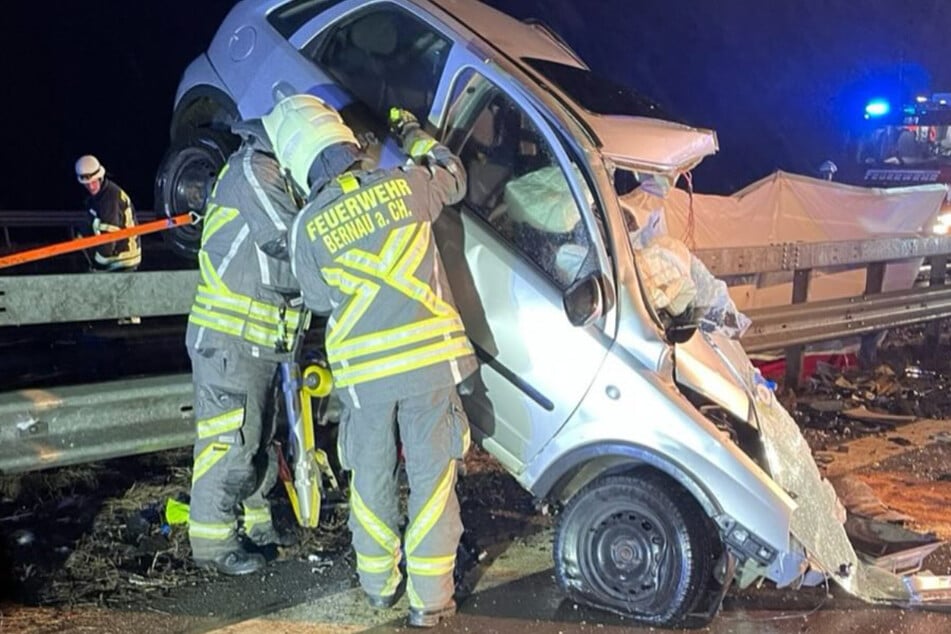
(78, 244)
(309, 464)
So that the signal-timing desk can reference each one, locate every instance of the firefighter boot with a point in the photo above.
(431, 618)
(274, 537)
(234, 563)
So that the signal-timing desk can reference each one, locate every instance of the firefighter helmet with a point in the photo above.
(301, 128)
(88, 169)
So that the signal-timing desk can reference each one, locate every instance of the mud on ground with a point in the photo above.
(96, 535)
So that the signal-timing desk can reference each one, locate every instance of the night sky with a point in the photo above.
(781, 81)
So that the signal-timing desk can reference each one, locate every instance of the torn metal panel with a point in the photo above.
(46, 299)
(54, 427)
(818, 520)
(652, 145)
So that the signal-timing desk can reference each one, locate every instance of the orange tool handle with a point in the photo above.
(39, 253)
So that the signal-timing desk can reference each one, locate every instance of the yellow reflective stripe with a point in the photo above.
(221, 424)
(265, 313)
(431, 511)
(266, 336)
(362, 293)
(348, 182)
(272, 314)
(255, 516)
(224, 170)
(414, 600)
(208, 273)
(379, 531)
(208, 457)
(430, 566)
(396, 337)
(214, 531)
(402, 362)
(215, 218)
(421, 146)
(245, 306)
(402, 278)
(228, 325)
(376, 565)
(377, 265)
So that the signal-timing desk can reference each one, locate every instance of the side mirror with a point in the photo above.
(681, 328)
(584, 300)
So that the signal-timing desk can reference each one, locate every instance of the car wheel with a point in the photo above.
(185, 178)
(636, 546)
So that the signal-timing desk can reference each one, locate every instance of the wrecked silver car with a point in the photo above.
(675, 469)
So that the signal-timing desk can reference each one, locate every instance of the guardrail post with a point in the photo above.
(800, 293)
(939, 267)
(868, 350)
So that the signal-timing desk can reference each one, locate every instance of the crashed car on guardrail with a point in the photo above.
(675, 469)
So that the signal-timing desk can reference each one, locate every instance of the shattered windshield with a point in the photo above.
(595, 93)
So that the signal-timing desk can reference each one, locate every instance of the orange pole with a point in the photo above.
(40, 253)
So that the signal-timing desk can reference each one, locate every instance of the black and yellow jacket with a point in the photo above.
(247, 296)
(364, 253)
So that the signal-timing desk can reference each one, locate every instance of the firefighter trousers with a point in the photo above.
(235, 463)
(434, 433)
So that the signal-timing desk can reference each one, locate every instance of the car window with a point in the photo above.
(290, 16)
(385, 57)
(515, 181)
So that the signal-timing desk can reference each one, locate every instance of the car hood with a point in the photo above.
(652, 145)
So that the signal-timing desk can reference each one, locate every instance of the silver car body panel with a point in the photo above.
(652, 145)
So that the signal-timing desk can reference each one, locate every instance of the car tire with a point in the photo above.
(185, 178)
(635, 545)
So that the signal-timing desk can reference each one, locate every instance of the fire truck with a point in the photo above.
(910, 146)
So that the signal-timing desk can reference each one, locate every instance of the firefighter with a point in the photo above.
(245, 320)
(363, 251)
(111, 210)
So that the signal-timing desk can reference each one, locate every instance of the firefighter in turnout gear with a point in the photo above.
(245, 321)
(363, 251)
(111, 210)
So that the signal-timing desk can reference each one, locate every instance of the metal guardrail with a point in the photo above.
(43, 428)
(798, 324)
(61, 426)
(46, 299)
(793, 256)
(808, 322)
(57, 218)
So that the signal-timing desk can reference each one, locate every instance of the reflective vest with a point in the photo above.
(394, 329)
(245, 295)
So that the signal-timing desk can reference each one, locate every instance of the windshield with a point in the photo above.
(595, 93)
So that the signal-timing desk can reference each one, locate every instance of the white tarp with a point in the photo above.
(783, 208)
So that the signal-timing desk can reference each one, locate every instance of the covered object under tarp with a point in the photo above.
(784, 208)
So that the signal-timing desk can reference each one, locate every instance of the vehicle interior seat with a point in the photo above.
(489, 158)
(362, 62)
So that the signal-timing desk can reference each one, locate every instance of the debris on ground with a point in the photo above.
(93, 535)
(109, 534)
(837, 404)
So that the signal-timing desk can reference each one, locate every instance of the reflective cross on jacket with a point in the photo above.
(247, 295)
(364, 253)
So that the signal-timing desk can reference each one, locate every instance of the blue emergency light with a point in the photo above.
(877, 108)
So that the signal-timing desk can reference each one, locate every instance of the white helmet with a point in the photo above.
(88, 169)
(300, 127)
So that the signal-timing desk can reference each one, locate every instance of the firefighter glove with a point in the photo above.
(402, 122)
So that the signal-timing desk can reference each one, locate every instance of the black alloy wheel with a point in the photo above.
(184, 181)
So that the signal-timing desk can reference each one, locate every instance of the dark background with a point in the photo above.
(782, 81)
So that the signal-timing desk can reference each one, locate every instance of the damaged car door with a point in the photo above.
(517, 249)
